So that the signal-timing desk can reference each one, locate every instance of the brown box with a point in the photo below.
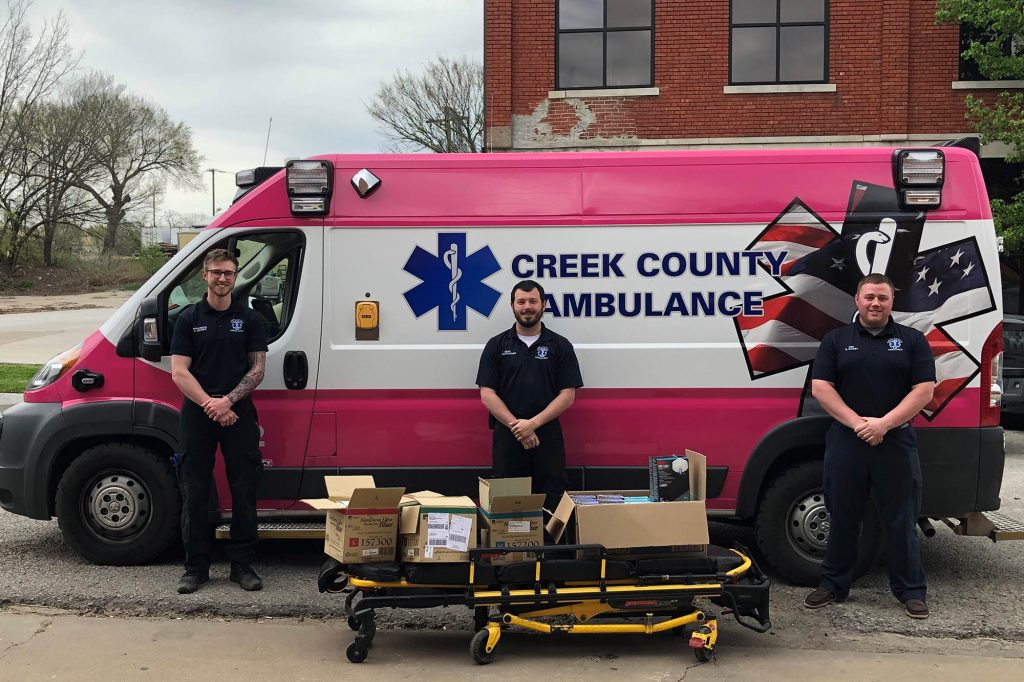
(637, 529)
(510, 516)
(435, 528)
(362, 520)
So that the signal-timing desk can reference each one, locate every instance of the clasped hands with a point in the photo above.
(871, 430)
(219, 410)
(523, 430)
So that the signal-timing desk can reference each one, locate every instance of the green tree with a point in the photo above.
(998, 25)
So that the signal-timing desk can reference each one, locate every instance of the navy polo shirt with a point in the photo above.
(873, 374)
(219, 343)
(526, 378)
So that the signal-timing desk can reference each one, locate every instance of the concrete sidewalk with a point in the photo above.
(37, 645)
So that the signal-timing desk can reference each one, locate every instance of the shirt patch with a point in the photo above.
(542, 352)
(237, 325)
(508, 352)
(895, 344)
(850, 348)
(199, 329)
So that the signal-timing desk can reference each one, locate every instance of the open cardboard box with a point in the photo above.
(362, 519)
(639, 529)
(511, 516)
(436, 528)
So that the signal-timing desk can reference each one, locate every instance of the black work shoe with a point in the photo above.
(820, 597)
(191, 581)
(247, 579)
(916, 608)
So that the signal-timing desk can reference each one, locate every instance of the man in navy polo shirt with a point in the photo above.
(873, 377)
(218, 355)
(528, 377)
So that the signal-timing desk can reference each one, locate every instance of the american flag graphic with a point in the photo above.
(819, 275)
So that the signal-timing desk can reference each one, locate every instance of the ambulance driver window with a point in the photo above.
(266, 262)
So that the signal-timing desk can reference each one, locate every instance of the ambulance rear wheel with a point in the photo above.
(792, 526)
(478, 648)
(118, 504)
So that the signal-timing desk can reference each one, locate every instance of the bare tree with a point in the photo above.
(441, 110)
(62, 153)
(132, 141)
(29, 69)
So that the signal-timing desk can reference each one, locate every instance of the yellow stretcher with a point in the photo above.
(643, 596)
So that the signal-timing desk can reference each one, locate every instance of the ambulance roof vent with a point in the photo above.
(365, 183)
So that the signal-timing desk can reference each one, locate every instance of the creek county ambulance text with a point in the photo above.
(649, 265)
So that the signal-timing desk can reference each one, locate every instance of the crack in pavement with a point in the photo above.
(43, 627)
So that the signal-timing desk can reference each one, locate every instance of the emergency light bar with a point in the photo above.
(309, 186)
(918, 175)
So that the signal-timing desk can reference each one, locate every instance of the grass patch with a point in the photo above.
(14, 378)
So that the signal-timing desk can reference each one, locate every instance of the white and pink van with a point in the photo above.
(695, 286)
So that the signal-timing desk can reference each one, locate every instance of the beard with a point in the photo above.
(529, 321)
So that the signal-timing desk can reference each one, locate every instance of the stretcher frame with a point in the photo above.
(659, 603)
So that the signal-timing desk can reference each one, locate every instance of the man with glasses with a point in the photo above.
(218, 355)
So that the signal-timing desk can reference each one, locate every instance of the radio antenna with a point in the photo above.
(267, 145)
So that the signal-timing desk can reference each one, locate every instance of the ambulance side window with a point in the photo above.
(268, 264)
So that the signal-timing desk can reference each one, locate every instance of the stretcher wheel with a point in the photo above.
(703, 655)
(353, 623)
(478, 647)
(356, 653)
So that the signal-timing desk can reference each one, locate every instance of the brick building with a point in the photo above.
(672, 74)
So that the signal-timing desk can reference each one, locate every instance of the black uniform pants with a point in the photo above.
(545, 464)
(239, 444)
(891, 471)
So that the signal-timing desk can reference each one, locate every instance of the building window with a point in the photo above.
(969, 71)
(604, 44)
(778, 41)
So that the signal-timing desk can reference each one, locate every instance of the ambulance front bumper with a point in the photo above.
(23, 428)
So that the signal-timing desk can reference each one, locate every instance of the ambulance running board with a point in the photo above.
(996, 526)
(291, 530)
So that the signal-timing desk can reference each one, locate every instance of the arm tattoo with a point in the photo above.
(252, 378)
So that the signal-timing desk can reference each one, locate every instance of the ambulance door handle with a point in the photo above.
(296, 370)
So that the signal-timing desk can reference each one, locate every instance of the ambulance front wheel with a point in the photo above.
(117, 504)
(792, 526)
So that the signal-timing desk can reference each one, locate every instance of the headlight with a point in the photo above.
(55, 368)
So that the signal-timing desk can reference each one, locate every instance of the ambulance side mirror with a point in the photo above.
(151, 345)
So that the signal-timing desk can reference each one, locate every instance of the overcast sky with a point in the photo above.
(224, 67)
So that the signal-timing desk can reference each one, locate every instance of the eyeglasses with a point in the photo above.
(226, 274)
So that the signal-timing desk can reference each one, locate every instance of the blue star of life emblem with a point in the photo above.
(452, 281)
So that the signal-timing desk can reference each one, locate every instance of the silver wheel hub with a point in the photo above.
(118, 504)
(808, 525)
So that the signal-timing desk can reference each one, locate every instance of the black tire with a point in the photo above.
(703, 655)
(356, 653)
(353, 623)
(792, 527)
(118, 505)
(478, 648)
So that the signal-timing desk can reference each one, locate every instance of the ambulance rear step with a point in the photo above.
(996, 526)
(292, 530)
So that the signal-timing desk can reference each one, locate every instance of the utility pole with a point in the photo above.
(213, 186)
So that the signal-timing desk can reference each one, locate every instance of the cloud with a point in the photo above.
(224, 67)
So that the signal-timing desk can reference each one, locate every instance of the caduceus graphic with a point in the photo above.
(451, 259)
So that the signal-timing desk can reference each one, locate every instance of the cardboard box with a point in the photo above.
(639, 529)
(435, 528)
(362, 519)
(510, 516)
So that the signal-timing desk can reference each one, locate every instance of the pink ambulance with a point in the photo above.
(695, 286)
